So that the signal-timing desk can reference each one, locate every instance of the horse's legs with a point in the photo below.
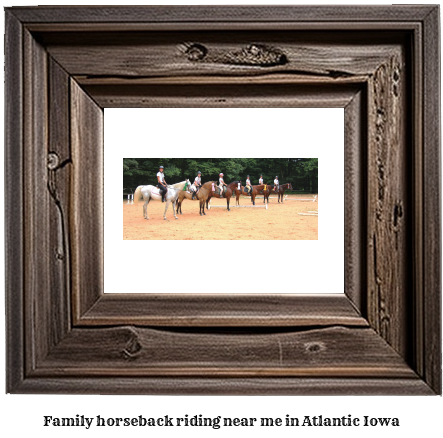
(173, 207)
(227, 201)
(179, 206)
(202, 205)
(147, 203)
(253, 199)
(166, 209)
(145, 209)
(181, 202)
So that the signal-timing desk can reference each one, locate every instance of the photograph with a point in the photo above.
(284, 228)
(241, 198)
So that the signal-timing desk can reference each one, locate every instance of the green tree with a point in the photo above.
(302, 173)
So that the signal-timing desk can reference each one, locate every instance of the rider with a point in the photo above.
(221, 183)
(260, 182)
(248, 185)
(197, 184)
(276, 184)
(161, 182)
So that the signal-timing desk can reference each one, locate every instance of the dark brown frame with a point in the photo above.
(63, 65)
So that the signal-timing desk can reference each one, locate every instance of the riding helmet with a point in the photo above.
(198, 172)
(221, 174)
(161, 167)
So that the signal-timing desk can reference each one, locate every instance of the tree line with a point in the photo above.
(302, 173)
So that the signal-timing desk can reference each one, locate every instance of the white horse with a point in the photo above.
(149, 193)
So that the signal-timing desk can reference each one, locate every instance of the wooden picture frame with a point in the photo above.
(379, 63)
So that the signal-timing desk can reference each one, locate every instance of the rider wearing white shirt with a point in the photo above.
(276, 184)
(221, 183)
(260, 182)
(197, 184)
(248, 185)
(161, 182)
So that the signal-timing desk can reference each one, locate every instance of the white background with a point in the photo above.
(224, 133)
(21, 415)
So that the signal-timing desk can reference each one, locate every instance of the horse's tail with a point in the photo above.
(138, 195)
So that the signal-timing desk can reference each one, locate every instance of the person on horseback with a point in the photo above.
(161, 182)
(197, 184)
(221, 183)
(260, 182)
(276, 184)
(248, 185)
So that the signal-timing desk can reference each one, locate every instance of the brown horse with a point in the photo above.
(267, 190)
(230, 188)
(281, 191)
(255, 191)
(203, 196)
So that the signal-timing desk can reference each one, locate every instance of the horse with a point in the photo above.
(210, 194)
(203, 196)
(149, 193)
(230, 188)
(267, 190)
(188, 195)
(255, 191)
(281, 191)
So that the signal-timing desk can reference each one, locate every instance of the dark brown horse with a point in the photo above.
(267, 191)
(230, 188)
(281, 190)
(255, 191)
(203, 196)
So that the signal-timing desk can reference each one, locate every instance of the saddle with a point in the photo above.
(156, 191)
(217, 191)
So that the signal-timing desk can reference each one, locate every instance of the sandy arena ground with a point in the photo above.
(278, 222)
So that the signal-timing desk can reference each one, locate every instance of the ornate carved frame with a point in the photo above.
(64, 65)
